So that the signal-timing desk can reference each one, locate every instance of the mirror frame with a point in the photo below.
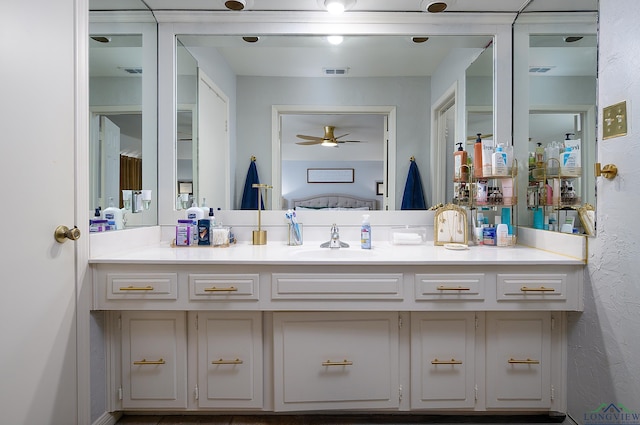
(538, 23)
(172, 24)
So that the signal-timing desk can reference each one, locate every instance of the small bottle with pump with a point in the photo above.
(114, 216)
(460, 167)
(365, 233)
(499, 162)
(477, 157)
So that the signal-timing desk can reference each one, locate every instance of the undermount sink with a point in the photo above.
(335, 253)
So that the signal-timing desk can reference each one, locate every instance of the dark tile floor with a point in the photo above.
(309, 419)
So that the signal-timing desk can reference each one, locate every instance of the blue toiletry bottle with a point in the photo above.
(365, 233)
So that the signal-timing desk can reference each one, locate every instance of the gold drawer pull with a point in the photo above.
(452, 288)
(214, 289)
(222, 361)
(452, 361)
(540, 289)
(145, 361)
(527, 361)
(136, 288)
(342, 363)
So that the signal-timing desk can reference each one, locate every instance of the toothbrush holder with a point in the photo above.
(294, 237)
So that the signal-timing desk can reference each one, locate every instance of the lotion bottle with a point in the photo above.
(460, 168)
(477, 157)
(365, 233)
(499, 162)
(114, 216)
(194, 213)
(502, 234)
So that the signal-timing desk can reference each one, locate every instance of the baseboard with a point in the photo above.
(108, 419)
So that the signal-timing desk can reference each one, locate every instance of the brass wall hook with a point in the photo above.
(609, 171)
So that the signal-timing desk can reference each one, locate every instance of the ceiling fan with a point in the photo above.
(329, 139)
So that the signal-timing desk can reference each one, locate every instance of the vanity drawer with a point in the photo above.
(223, 287)
(450, 286)
(337, 286)
(142, 286)
(532, 287)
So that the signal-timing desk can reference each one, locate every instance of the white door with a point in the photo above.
(214, 180)
(38, 314)
(110, 163)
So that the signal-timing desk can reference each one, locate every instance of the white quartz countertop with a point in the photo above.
(383, 253)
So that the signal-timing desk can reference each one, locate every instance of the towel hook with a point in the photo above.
(412, 159)
(253, 158)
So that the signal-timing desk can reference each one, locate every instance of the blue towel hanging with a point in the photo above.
(413, 197)
(250, 194)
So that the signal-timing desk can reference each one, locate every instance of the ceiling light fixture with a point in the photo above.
(335, 39)
(436, 7)
(337, 6)
(572, 38)
(235, 4)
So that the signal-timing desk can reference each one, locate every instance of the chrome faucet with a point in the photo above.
(334, 242)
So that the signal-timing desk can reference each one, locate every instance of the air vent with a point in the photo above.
(540, 69)
(335, 71)
(132, 70)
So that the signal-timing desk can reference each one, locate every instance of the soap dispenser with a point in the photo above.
(460, 168)
(114, 216)
(477, 157)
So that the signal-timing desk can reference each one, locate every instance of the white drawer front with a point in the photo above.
(142, 286)
(532, 287)
(223, 287)
(450, 286)
(337, 286)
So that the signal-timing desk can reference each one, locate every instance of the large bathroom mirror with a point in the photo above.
(555, 98)
(123, 111)
(282, 86)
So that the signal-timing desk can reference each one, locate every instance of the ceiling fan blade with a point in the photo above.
(346, 134)
(305, 137)
(350, 141)
(311, 142)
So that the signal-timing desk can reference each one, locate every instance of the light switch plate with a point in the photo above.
(614, 119)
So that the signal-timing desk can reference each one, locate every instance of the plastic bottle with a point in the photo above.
(477, 157)
(365, 233)
(460, 168)
(194, 213)
(502, 234)
(113, 216)
(568, 164)
(499, 162)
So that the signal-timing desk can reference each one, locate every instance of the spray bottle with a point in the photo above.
(365, 233)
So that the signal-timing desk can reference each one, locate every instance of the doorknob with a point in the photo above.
(63, 233)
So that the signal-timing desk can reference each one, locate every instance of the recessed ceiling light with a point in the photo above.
(235, 4)
(335, 39)
(251, 39)
(436, 7)
(572, 38)
(101, 38)
(419, 40)
(337, 6)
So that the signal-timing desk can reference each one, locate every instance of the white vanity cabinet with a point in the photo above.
(153, 360)
(229, 359)
(443, 357)
(281, 335)
(335, 360)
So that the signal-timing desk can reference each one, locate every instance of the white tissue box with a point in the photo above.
(408, 235)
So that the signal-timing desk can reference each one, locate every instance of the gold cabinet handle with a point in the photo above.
(146, 362)
(452, 288)
(342, 363)
(222, 361)
(540, 289)
(215, 289)
(452, 361)
(526, 361)
(136, 288)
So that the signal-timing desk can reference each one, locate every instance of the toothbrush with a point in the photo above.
(296, 228)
